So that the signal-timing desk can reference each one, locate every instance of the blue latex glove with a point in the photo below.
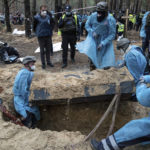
(142, 80)
(94, 34)
(120, 64)
(99, 47)
(147, 78)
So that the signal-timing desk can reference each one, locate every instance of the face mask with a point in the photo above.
(43, 13)
(101, 16)
(33, 68)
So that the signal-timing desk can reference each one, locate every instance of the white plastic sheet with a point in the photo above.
(56, 47)
(17, 32)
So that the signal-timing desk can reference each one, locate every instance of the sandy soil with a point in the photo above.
(15, 137)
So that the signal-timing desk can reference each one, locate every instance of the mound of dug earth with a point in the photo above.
(15, 137)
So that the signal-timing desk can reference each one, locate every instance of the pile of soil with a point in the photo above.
(17, 138)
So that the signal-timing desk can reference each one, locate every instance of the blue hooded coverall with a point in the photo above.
(143, 32)
(21, 92)
(106, 31)
(136, 131)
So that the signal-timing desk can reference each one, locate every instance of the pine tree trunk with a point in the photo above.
(128, 4)
(7, 19)
(114, 5)
(56, 17)
(120, 4)
(27, 18)
(80, 5)
(111, 4)
(137, 4)
(33, 8)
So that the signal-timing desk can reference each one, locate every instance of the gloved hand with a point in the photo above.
(94, 35)
(146, 78)
(142, 80)
(99, 47)
(78, 38)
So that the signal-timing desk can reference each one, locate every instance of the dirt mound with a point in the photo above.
(17, 138)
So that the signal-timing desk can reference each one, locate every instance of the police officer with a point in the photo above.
(43, 26)
(131, 18)
(69, 27)
(120, 30)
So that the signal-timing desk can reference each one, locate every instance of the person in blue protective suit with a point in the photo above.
(133, 58)
(21, 89)
(145, 33)
(98, 46)
(136, 131)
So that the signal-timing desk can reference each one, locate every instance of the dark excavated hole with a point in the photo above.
(81, 114)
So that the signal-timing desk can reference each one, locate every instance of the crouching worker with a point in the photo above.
(134, 132)
(133, 59)
(30, 114)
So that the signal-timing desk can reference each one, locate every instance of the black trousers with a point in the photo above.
(130, 25)
(45, 44)
(68, 39)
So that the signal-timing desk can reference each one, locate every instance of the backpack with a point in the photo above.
(8, 54)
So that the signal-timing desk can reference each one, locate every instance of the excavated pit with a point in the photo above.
(75, 101)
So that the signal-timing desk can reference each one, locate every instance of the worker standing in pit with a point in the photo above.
(98, 46)
(21, 89)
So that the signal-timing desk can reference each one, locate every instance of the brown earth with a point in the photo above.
(16, 137)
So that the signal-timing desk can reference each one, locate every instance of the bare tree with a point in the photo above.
(80, 5)
(58, 8)
(114, 4)
(7, 18)
(33, 8)
(120, 4)
(128, 4)
(139, 5)
(27, 18)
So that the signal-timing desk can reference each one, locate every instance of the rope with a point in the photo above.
(103, 117)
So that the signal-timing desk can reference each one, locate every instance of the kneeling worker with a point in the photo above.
(21, 90)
